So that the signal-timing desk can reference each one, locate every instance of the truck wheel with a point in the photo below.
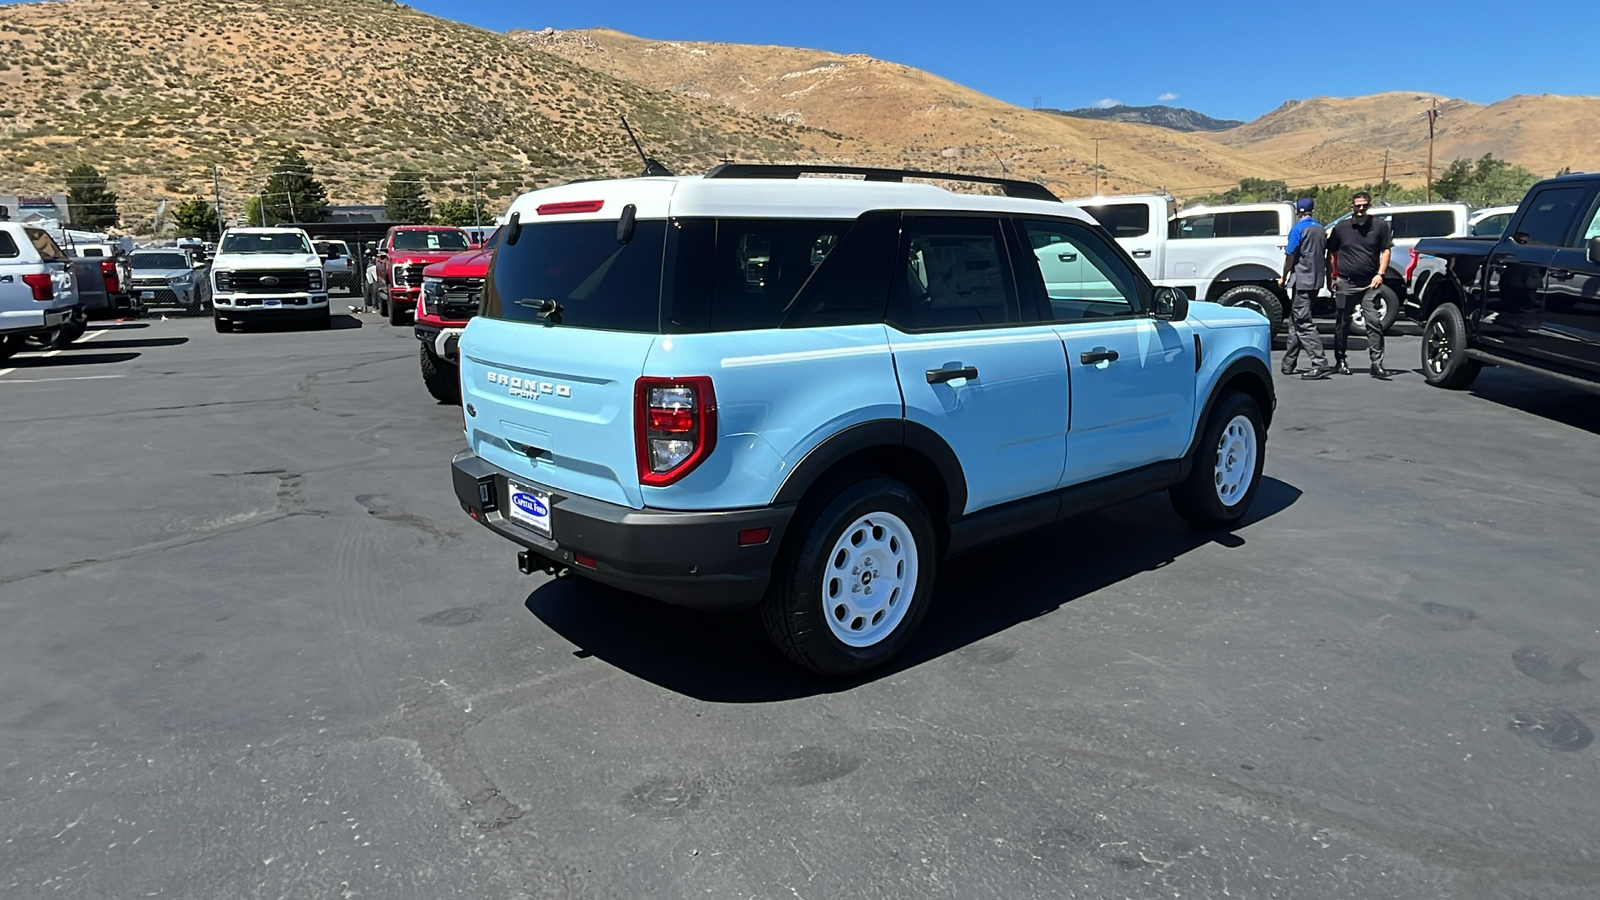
(1226, 469)
(324, 322)
(223, 325)
(440, 376)
(1388, 308)
(1258, 298)
(71, 330)
(397, 313)
(854, 580)
(9, 345)
(1444, 350)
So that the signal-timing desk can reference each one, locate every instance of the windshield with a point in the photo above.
(266, 242)
(158, 261)
(437, 241)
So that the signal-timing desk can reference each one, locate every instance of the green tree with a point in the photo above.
(1484, 182)
(252, 211)
(90, 203)
(292, 193)
(456, 212)
(196, 218)
(404, 200)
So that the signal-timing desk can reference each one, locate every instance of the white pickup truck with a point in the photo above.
(38, 292)
(267, 274)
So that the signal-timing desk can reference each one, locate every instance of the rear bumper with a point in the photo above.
(690, 559)
(37, 321)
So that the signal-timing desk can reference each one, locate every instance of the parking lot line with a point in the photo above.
(83, 340)
(65, 378)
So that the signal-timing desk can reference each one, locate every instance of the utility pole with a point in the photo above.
(1097, 166)
(216, 187)
(1433, 117)
(293, 219)
(1383, 186)
(477, 208)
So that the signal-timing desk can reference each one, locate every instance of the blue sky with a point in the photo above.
(1231, 60)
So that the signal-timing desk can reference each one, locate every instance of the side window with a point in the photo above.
(953, 273)
(1593, 230)
(1425, 223)
(8, 246)
(1252, 223)
(1195, 227)
(1083, 278)
(1492, 226)
(1123, 220)
(760, 265)
(1549, 215)
(48, 249)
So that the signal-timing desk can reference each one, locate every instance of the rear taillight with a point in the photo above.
(1411, 266)
(675, 423)
(108, 271)
(43, 285)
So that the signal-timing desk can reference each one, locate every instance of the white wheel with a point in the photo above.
(1236, 460)
(869, 578)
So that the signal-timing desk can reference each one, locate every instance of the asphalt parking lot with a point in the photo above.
(252, 648)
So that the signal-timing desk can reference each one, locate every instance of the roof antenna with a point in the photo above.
(651, 167)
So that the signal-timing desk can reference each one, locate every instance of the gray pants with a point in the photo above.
(1303, 333)
(1346, 295)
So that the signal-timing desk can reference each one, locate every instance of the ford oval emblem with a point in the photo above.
(269, 279)
(530, 505)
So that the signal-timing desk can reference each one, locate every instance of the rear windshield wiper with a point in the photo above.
(548, 310)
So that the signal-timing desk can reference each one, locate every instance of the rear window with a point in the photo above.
(1123, 220)
(1431, 223)
(598, 282)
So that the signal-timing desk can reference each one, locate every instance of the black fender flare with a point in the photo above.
(1247, 367)
(862, 436)
(1244, 273)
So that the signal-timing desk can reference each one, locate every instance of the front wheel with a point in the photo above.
(397, 313)
(1226, 469)
(223, 326)
(855, 579)
(1444, 350)
(1256, 297)
(440, 376)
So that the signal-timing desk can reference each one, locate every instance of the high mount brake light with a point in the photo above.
(570, 207)
(675, 426)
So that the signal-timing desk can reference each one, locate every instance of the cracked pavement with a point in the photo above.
(252, 648)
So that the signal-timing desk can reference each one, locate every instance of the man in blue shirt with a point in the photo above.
(1304, 272)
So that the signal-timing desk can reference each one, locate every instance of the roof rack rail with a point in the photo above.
(1011, 187)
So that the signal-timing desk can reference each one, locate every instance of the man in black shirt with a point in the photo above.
(1358, 249)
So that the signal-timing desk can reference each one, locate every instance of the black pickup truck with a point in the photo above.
(1527, 300)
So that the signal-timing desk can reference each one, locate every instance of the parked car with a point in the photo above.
(170, 278)
(451, 292)
(38, 291)
(1490, 222)
(267, 274)
(1527, 300)
(338, 265)
(397, 270)
(750, 389)
(102, 276)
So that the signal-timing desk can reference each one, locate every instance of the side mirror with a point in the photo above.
(1594, 251)
(1169, 305)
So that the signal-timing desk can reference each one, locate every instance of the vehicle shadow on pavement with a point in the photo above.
(1535, 395)
(133, 342)
(727, 658)
(345, 321)
(76, 359)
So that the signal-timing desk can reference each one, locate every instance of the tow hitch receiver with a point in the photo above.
(530, 563)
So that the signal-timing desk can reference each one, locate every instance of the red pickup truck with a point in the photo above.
(407, 250)
(451, 291)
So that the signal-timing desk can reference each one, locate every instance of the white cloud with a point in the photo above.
(1107, 103)
(1167, 96)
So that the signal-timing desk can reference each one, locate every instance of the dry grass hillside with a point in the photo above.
(1336, 135)
(935, 123)
(155, 93)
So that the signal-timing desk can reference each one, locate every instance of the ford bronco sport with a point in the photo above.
(752, 389)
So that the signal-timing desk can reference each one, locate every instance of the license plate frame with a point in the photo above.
(272, 304)
(530, 507)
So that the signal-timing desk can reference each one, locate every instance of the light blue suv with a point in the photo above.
(754, 388)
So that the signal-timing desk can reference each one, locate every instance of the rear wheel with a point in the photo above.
(1444, 350)
(440, 376)
(1226, 469)
(1256, 297)
(9, 345)
(71, 330)
(854, 580)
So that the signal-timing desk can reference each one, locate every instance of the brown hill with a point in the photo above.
(933, 122)
(155, 93)
(1345, 137)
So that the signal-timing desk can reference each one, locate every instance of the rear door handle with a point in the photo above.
(940, 376)
(1097, 355)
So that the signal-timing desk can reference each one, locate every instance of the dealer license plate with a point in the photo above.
(530, 507)
(147, 295)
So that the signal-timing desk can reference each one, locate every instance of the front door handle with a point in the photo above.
(1141, 254)
(1561, 274)
(1097, 355)
(940, 376)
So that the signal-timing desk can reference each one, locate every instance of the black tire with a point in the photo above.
(1388, 305)
(1199, 497)
(397, 313)
(1444, 350)
(441, 376)
(223, 325)
(47, 340)
(1258, 298)
(805, 591)
(71, 331)
(324, 322)
(9, 345)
